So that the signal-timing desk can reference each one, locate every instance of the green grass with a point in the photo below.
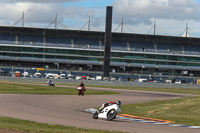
(182, 111)
(11, 88)
(170, 90)
(29, 126)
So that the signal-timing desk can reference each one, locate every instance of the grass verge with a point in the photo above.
(29, 126)
(168, 90)
(182, 111)
(12, 88)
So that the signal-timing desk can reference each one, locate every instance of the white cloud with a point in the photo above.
(39, 1)
(40, 14)
(34, 12)
(142, 11)
(137, 14)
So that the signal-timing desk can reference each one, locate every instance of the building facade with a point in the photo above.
(75, 50)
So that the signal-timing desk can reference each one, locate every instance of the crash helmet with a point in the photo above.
(118, 102)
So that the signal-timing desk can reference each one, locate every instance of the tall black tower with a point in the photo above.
(107, 41)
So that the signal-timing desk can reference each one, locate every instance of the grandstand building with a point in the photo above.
(74, 49)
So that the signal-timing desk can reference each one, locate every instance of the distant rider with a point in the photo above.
(50, 82)
(81, 84)
(108, 104)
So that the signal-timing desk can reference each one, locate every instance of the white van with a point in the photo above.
(98, 77)
(49, 76)
(38, 75)
(70, 76)
(62, 76)
(142, 80)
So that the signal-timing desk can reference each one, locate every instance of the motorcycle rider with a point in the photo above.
(82, 85)
(108, 104)
(50, 83)
(81, 89)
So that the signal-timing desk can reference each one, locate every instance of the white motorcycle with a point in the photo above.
(108, 112)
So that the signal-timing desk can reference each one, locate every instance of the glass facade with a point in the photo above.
(90, 55)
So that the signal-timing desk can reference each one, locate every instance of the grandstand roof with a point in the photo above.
(59, 33)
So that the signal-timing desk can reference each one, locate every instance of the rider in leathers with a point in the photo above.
(108, 104)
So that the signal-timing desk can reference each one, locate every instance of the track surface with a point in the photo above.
(70, 110)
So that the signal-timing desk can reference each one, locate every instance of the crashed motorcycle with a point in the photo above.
(81, 90)
(109, 112)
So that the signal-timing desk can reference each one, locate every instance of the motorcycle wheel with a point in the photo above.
(111, 115)
(95, 115)
(79, 93)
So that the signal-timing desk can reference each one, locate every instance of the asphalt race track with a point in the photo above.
(70, 110)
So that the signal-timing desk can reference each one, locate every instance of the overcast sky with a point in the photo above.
(139, 15)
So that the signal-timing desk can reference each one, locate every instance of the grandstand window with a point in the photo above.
(150, 56)
(83, 53)
(161, 63)
(139, 61)
(114, 60)
(96, 53)
(5, 48)
(50, 50)
(27, 49)
(129, 57)
(71, 58)
(149, 62)
(172, 57)
(171, 63)
(72, 52)
(60, 57)
(194, 59)
(92, 59)
(5, 54)
(15, 48)
(61, 51)
(49, 56)
(38, 56)
(116, 54)
(14, 55)
(140, 56)
(118, 60)
(160, 57)
(26, 55)
(128, 54)
(38, 49)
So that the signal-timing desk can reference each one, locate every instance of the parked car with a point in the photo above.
(49, 76)
(62, 76)
(70, 76)
(78, 77)
(98, 77)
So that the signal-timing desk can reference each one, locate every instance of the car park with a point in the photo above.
(49, 76)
